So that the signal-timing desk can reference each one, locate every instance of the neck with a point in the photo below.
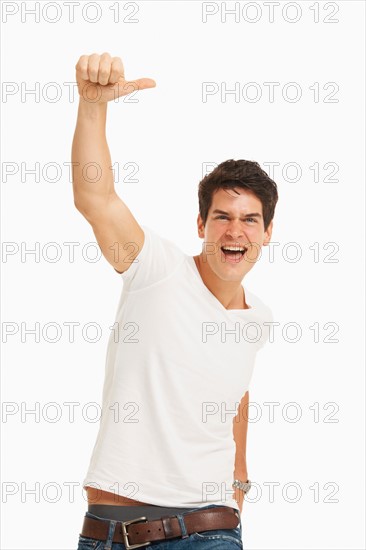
(229, 293)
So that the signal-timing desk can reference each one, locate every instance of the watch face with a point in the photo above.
(243, 485)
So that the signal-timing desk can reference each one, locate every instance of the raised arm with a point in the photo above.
(100, 79)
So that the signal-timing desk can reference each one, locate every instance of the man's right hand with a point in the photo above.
(100, 78)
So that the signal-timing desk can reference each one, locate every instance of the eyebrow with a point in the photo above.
(252, 215)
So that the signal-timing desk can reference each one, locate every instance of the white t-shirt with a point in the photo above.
(178, 364)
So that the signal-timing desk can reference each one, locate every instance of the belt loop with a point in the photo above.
(182, 526)
(112, 527)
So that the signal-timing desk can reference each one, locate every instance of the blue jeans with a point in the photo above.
(218, 539)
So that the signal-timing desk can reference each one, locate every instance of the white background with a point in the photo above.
(169, 131)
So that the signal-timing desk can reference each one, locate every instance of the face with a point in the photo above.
(233, 220)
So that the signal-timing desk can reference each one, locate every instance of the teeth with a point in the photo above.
(239, 248)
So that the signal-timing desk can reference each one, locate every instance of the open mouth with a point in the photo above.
(233, 254)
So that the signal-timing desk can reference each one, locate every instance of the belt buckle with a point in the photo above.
(125, 534)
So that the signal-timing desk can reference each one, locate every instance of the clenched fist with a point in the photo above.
(100, 78)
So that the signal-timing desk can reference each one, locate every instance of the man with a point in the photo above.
(171, 445)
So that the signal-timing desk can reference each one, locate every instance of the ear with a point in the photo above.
(268, 234)
(200, 227)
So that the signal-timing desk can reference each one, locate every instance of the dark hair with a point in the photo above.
(246, 174)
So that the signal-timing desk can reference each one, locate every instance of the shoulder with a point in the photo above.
(163, 243)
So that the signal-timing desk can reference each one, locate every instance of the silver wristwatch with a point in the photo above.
(243, 485)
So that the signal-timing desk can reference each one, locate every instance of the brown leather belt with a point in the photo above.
(141, 532)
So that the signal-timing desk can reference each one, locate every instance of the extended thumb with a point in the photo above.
(129, 86)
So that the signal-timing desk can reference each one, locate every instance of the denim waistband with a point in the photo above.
(125, 513)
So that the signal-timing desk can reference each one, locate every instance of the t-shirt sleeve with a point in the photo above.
(266, 326)
(157, 260)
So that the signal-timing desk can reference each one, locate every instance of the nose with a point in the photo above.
(235, 230)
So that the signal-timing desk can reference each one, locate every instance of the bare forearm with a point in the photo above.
(92, 173)
(100, 79)
(240, 437)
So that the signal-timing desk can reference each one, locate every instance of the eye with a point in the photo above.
(226, 217)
